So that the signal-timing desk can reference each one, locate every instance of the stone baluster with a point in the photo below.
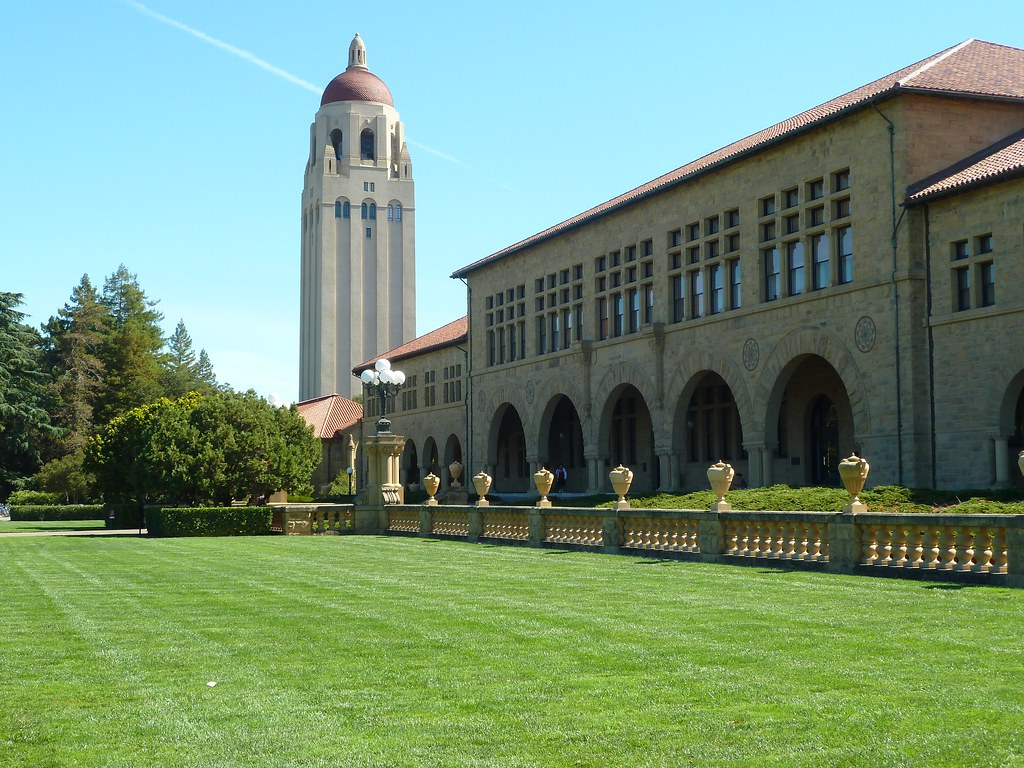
(916, 546)
(931, 553)
(804, 550)
(869, 544)
(983, 550)
(901, 545)
(884, 549)
(965, 556)
(947, 548)
(999, 555)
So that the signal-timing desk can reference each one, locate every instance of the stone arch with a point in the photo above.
(430, 460)
(506, 450)
(452, 453)
(786, 355)
(687, 377)
(615, 377)
(566, 448)
(367, 145)
(410, 466)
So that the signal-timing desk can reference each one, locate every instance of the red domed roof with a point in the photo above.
(356, 84)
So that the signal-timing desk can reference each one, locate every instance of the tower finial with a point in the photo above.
(357, 54)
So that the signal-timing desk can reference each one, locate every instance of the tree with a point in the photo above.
(182, 372)
(132, 348)
(24, 422)
(202, 448)
(73, 341)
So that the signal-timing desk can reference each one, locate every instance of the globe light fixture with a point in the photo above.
(382, 382)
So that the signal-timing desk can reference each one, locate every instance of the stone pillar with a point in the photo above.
(1014, 554)
(710, 538)
(1002, 450)
(767, 455)
(594, 483)
(611, 532)
(673, 470)
(535, 464)
(843, 543)
(755, 464)
(383, 453)
(665, 469)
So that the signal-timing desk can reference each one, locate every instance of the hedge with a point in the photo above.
(37, 512)
(208, 521)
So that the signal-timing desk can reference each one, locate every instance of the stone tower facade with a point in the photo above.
(358, 290)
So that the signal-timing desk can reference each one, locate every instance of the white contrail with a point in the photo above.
(224, 47)
(252, 59)
(442, 155)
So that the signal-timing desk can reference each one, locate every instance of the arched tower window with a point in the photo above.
(337, 209)
(345, 210)
(398, 213)
(336, 142)
(366, 148)
(373, 211)
(363, 212)
(391, 213)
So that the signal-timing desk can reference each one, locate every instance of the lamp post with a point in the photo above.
(350, 470)
(382, 382)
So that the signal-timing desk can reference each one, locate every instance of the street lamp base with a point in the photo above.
(383, 425)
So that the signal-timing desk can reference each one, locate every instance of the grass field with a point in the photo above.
(371, 651)
(34, 526)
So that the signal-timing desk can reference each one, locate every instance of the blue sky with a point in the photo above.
(171, 135)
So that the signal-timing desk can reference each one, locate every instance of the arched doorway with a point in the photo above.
(823, 442)
(429, 461)
(565, 445)
(627, 437)
(410, 465)
(508, 452)
(809, 423)
(452, 453)
(710, 431)
(1016, 442)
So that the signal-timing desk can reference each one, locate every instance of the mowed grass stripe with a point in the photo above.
(373, 651)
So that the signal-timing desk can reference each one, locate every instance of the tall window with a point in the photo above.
(618, 313)
(716, 289)
(542, 335)
(696, 294)
(634, 310)
(963, 288)
(770, 257)
(346, 210)
(602, 318)
(844, 248)
(556, 331)
(398, 213)
(648, 304)
(795, 268)
(735, 297)
(337, 209)
(987, 280)
(678, 294)
(820, 261)
(367, 151)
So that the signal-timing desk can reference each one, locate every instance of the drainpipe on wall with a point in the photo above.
(895, 295)
(468, 457)
(931, 340)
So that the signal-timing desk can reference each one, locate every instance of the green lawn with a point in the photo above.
(372, 651)
(31, 526)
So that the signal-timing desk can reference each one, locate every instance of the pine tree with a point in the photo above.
(183, 373)
(24, 422)
(73, 342)
(132, 349)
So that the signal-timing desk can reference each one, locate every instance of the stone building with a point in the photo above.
(848, 280)
(358, 252)
(336, 421)
(432, 404)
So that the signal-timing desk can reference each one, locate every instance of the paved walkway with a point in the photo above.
(87, 532)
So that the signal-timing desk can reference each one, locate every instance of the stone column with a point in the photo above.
(755, 464)
(383, 453)
(767, 455)
(1002, 450)
(665, 469)
(673, 470)
(843, 543)
(1014, 554)
(594, 484)
(534, 463)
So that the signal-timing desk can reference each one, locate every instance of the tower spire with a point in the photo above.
(357, 54)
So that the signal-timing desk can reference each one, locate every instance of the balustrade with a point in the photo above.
(660, 534)
(777, 539)
(403, 520)
(448, 522)
(508, 526)
(582, 530)
(963, 547)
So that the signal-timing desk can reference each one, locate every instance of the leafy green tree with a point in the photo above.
(203, 448)
(182, 371)
(66, 476)
(73, 340)
(131, 352)
(24, 422)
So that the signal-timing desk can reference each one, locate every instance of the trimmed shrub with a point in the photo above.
(208, 521)
(35, 498)
(53, 512)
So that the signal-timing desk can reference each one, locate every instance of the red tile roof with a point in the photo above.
(972, 68)
(1002, 160)
(456, 332)
(330, 414)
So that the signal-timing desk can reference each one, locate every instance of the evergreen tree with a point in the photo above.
(73, 341)
(24, 422)
(184, 373)
(131, 351)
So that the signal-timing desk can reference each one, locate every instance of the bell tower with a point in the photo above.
(358, 281)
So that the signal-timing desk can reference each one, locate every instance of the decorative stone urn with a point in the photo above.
(456, 469)
(720, 476)
(543, 479)
(1020, 461)
(854, 472)
(482, 483)
(621, 478)
(431, 483)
